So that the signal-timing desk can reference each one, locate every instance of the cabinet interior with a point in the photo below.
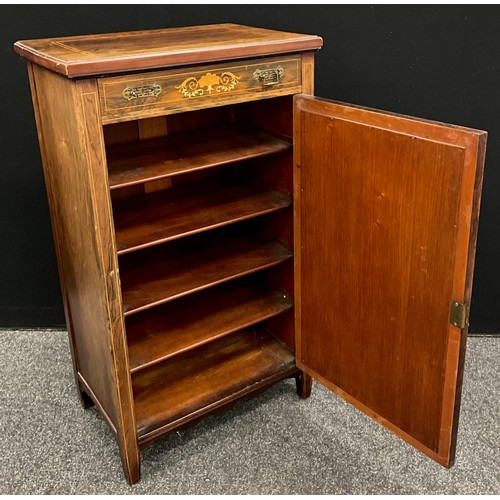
(203, 216)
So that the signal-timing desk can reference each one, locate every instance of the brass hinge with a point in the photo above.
(458, 314)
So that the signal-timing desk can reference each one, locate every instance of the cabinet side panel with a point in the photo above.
(308, 73)
(69, 185)
(307, 88)
(50, 194)
(93, 143)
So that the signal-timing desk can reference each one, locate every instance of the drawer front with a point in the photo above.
(163, 92)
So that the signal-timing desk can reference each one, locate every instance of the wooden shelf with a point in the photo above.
(185, 387)
(184, 152)
(174, 328)
(158, 275)
(150, 219)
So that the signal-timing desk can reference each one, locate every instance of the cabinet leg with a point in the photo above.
(304, 385)
(131, 462)
(85, 399)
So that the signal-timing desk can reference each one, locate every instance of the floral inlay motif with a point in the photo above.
(206, 84)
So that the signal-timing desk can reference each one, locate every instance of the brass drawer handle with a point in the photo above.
(269, 77)
(151, 90)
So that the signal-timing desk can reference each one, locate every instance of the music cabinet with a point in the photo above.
(219, 229)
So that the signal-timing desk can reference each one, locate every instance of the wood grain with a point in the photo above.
(196, 88)
(169, 394)
(185, 324)
(273, 116)
(392, 202)
(304, 383)
(152, 128)
(385, 221)
(51, 195)
(158, 275)
(85, 124)
(185, 152)
(455, 392)
(308, 73)
(80, 213)
(148, 220)
(85, 55)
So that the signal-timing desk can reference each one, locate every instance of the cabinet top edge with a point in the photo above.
(89, 55)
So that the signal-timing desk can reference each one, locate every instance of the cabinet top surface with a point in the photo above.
(86, 55)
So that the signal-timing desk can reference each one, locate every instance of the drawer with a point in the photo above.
(157, 93)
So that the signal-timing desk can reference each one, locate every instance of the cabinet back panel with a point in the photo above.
(281, 278)
(272, 115)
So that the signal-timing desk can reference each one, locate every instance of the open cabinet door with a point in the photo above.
(386, 212)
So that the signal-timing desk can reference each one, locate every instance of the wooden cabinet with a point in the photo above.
(219, 229)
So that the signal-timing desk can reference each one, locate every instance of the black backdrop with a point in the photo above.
(436, 62)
